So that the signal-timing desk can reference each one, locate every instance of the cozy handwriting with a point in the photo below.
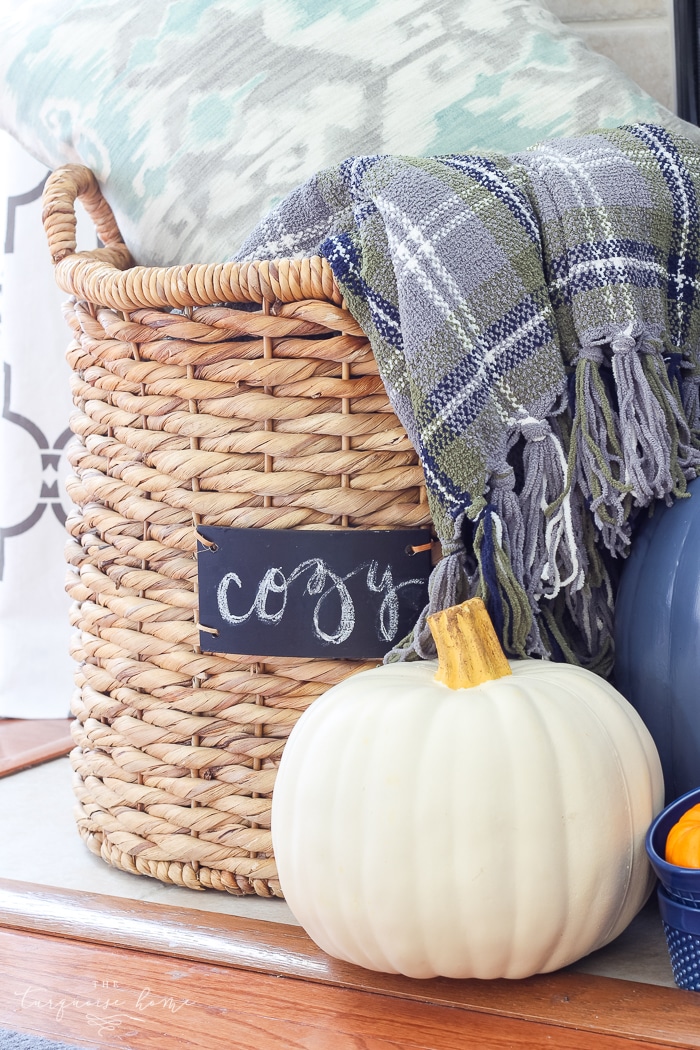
(272, 594)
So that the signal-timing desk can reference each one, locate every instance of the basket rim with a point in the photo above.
(109, 276)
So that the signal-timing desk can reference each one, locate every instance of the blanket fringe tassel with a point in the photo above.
(633, 444)
(536, 560)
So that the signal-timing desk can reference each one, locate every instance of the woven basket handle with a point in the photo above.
(109, 277)
(62, 189)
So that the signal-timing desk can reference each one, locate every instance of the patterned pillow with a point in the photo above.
(198, 115)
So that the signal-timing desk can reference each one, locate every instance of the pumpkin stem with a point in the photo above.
(469, 652)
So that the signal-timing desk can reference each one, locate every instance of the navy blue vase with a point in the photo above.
(657, 636)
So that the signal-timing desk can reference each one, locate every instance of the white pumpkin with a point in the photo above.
(489, 831)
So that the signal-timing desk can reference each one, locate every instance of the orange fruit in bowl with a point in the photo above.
(683, 842)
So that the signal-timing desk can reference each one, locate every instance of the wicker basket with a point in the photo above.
(190, 410)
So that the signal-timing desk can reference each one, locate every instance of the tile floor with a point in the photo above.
(41, 845)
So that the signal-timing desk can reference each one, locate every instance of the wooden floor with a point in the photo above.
(106, 972)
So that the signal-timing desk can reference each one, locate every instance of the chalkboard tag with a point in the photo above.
(338, 593)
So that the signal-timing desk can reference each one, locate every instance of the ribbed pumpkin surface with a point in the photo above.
(487, 832)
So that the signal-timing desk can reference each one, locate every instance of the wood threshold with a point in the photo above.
(103, 998)
(26, 742)
(604, 1006)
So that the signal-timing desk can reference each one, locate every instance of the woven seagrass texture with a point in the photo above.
(189, 411)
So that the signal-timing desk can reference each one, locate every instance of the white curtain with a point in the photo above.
(36, 672)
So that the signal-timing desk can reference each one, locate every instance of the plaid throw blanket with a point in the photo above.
(535, 321)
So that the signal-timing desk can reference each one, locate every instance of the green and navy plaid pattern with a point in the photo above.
(535, 321)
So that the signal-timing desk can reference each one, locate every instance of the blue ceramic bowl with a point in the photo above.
(681, 884)
(682, 929)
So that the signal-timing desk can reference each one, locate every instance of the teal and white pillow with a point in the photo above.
(198, 115)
